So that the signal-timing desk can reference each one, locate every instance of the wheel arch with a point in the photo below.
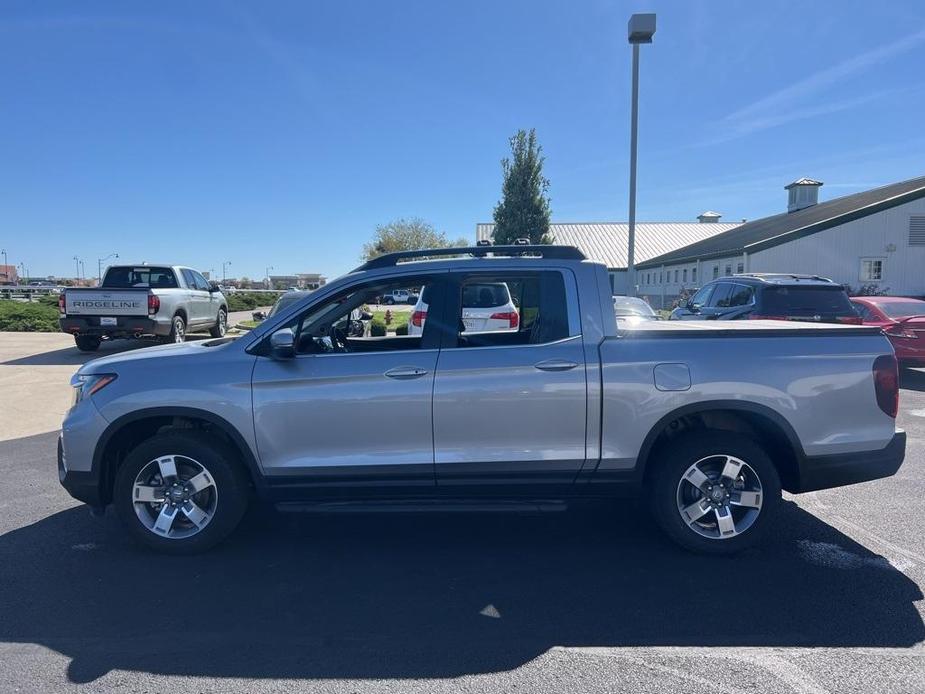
(131, 429)
(770, 428)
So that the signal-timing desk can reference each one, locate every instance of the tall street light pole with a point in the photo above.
(6, 274)
(99, 267)
(77, 268)
(267, 275)
(224, 265)
(640, 30)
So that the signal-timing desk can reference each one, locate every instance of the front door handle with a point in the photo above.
(556, 365)
(405, 372)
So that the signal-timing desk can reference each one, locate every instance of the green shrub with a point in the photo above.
(377, 329)
(401, 329)
(38, 317)
(248, 301)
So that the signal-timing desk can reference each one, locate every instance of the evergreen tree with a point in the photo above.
(523, 212)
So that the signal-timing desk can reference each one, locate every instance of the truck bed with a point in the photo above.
(743, 328)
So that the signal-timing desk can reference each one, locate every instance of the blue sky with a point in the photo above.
(281, 133)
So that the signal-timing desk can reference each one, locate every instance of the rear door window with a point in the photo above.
(807, 301)
(742, 295)
(515, 309)
(127, 277)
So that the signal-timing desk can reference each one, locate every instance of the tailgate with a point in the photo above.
(102, 302)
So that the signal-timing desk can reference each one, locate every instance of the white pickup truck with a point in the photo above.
(162, 301)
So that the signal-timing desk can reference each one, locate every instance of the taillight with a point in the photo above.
(511, 316)
(418, 318)
(61, 308)
(849, 320)
(886, 383)
(758, 316)
(154, 304)
(899, 331)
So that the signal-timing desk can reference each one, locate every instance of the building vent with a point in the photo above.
(804, 192)
(917, 230)
(709, 217)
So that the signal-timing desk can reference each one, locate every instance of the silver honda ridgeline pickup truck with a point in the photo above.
(709, 421)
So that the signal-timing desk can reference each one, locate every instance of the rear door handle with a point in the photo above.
(405, 372)
(556, 365)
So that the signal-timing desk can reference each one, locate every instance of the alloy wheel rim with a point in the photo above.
(222, 322)
(174, 496)
(720, 496)
(178, 330)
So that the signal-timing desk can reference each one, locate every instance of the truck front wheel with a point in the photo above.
(221, 324)
(714, 492)
(87, 343)
(181, 492)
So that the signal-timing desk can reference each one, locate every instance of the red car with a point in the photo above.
(903, 320)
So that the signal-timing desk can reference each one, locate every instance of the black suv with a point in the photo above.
(770, 296)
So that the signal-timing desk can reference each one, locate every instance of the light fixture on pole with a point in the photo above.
(99, 266)
(641, 28)
(77, 269)
(224, 265)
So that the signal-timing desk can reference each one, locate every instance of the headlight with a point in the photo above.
(85, 385)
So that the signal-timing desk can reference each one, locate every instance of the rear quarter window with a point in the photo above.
(807, 301)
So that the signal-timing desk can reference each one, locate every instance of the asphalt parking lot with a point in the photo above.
(589, 600)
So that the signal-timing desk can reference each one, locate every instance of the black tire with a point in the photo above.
(231, 483)
(221, 324)
(87, 343)
(674, 460)
(177, 330)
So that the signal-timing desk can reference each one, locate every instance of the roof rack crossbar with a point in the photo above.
(542, 251)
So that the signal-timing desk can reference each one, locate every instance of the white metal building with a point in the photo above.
(876, 237)
(607, 241)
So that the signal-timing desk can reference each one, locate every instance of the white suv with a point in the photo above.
(486, 307)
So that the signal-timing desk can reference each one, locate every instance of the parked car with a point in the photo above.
(705, 421)
(398, 296)
(486, 307)
(162, 301)
(632, 309)
(903, 321)
(770, 296)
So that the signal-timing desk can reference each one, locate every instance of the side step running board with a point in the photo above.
(424, 505)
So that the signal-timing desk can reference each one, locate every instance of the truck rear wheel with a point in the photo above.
(87, 343)
(714, 492)
(177, 329)
(181, 492)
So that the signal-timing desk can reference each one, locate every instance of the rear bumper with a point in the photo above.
(826, 471)
(126, 326)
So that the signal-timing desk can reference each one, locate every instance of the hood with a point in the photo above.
(152, 354)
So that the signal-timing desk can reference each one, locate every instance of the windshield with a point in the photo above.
(485, 295)
(285, 301)
(129, 277)
(807, 301)
(629, 306)
(902, 309)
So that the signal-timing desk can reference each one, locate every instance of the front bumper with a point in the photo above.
(826, 471)
(83, 485)
(126, 326)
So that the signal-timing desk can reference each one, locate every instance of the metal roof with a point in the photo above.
(803, 182)
(607, 242)
(768, 232)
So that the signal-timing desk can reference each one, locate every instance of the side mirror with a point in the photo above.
(282, 344)
(213, 286)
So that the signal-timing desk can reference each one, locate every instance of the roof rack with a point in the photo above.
(533, 251)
